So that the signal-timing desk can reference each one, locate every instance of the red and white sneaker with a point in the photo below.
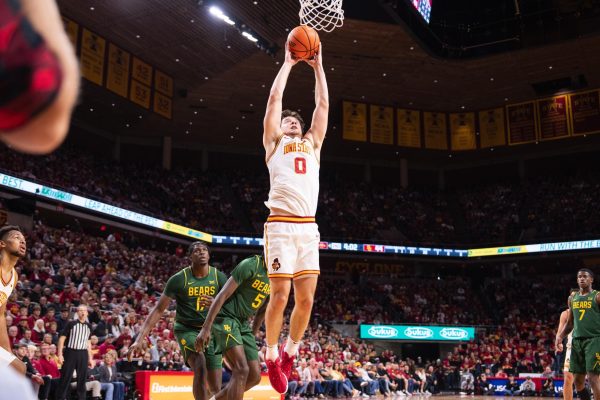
(278, 380)
(287, 361)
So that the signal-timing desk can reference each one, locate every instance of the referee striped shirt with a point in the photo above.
(77, 335)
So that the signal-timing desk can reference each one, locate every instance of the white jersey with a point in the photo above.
(294, 175)
(6, 288)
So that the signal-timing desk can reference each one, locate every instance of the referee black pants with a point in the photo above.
(75, 360)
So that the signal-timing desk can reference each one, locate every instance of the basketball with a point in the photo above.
(303, 42)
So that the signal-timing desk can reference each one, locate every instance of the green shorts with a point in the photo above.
(229, 332)
(585, 355)
(186, 337)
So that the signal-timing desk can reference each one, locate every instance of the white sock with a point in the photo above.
(272, 353)
(212, 398)
(291, 347)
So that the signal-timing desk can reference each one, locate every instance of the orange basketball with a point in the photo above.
(303, 42)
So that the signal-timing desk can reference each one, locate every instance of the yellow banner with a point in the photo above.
(162, 105)
(140, 94)
(117, 74)
(182, 230)
(462, 131)
(492, 129)
(163, 83)
(409, 128)
(72, 30)
(436, 136)
(92, 57)
(382, 124)
(496, 251)
(354, 121)
(141, 71)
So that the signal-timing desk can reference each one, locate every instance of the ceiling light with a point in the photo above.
(177, 60)
(187, 132)
(195, 112)
(137, 36)
(216, 11)
(92, 8)
(249, 37)
(139, 116)
(127, 125)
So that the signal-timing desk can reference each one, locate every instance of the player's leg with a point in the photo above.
(568, 386)
(304, 295)
(197, 363)
(214, 366)
(236, 358)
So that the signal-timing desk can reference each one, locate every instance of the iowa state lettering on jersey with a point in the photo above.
(582, 304)
(261, 286)
(201, 290)
(301, 147)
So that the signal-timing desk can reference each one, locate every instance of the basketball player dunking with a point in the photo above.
(291, 234)
(12, 247)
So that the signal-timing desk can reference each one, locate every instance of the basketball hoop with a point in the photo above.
(322, 15)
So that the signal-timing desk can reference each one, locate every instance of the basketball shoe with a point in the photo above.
(278, 380)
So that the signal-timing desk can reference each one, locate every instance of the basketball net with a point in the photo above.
(322, 15)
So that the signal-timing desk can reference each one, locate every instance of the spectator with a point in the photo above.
(527, 388)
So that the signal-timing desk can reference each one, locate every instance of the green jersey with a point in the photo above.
(253, 289)
(187, 290)
(586, 315)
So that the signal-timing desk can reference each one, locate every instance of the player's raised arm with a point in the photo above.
(272, 121)
(320, 117)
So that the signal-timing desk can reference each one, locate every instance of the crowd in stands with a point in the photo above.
(232, 201)
(65, 268)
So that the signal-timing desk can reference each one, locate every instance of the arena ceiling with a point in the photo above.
(222, 80)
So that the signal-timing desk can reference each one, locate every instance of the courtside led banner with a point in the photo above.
(417, 333)
(61, 196)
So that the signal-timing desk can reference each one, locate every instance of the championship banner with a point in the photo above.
(491, 128)
(163, 105)
(553, 117)
(163, 83)
(585, 112)
(354, 121)
(72, 30)
(409, 128)
(141, 71)
(462, 131)
(92, 57)
(117, 74)
(140, 94)
(521, 123)
(417, 333)
(382, 124)
(436, 136)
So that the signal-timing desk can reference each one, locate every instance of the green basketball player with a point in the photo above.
(193, 289)
(244, 295)
(584, 321)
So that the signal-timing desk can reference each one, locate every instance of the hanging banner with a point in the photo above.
(92, 57)
(521, 123)
(382, 124)
(140, 94)
(163, 83)
(72, 30)
(409, 128)
(585, 112)
(117, 74)
(553, 117)
(436, 136)
(162, 105)
(492, 130)
(354, 121)
(462, 131)
(141, 71)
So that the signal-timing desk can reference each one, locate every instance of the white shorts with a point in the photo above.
(567, 359)
(292, 248)
(6, 357)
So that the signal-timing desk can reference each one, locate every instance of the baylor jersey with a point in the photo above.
(252, 292)
(187, 290)
(586, 315)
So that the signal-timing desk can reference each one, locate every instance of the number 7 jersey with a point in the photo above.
(586, 315)
(294, 175)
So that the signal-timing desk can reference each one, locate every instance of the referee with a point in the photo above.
(75, 341)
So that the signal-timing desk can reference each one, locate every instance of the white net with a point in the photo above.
(322, 15)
